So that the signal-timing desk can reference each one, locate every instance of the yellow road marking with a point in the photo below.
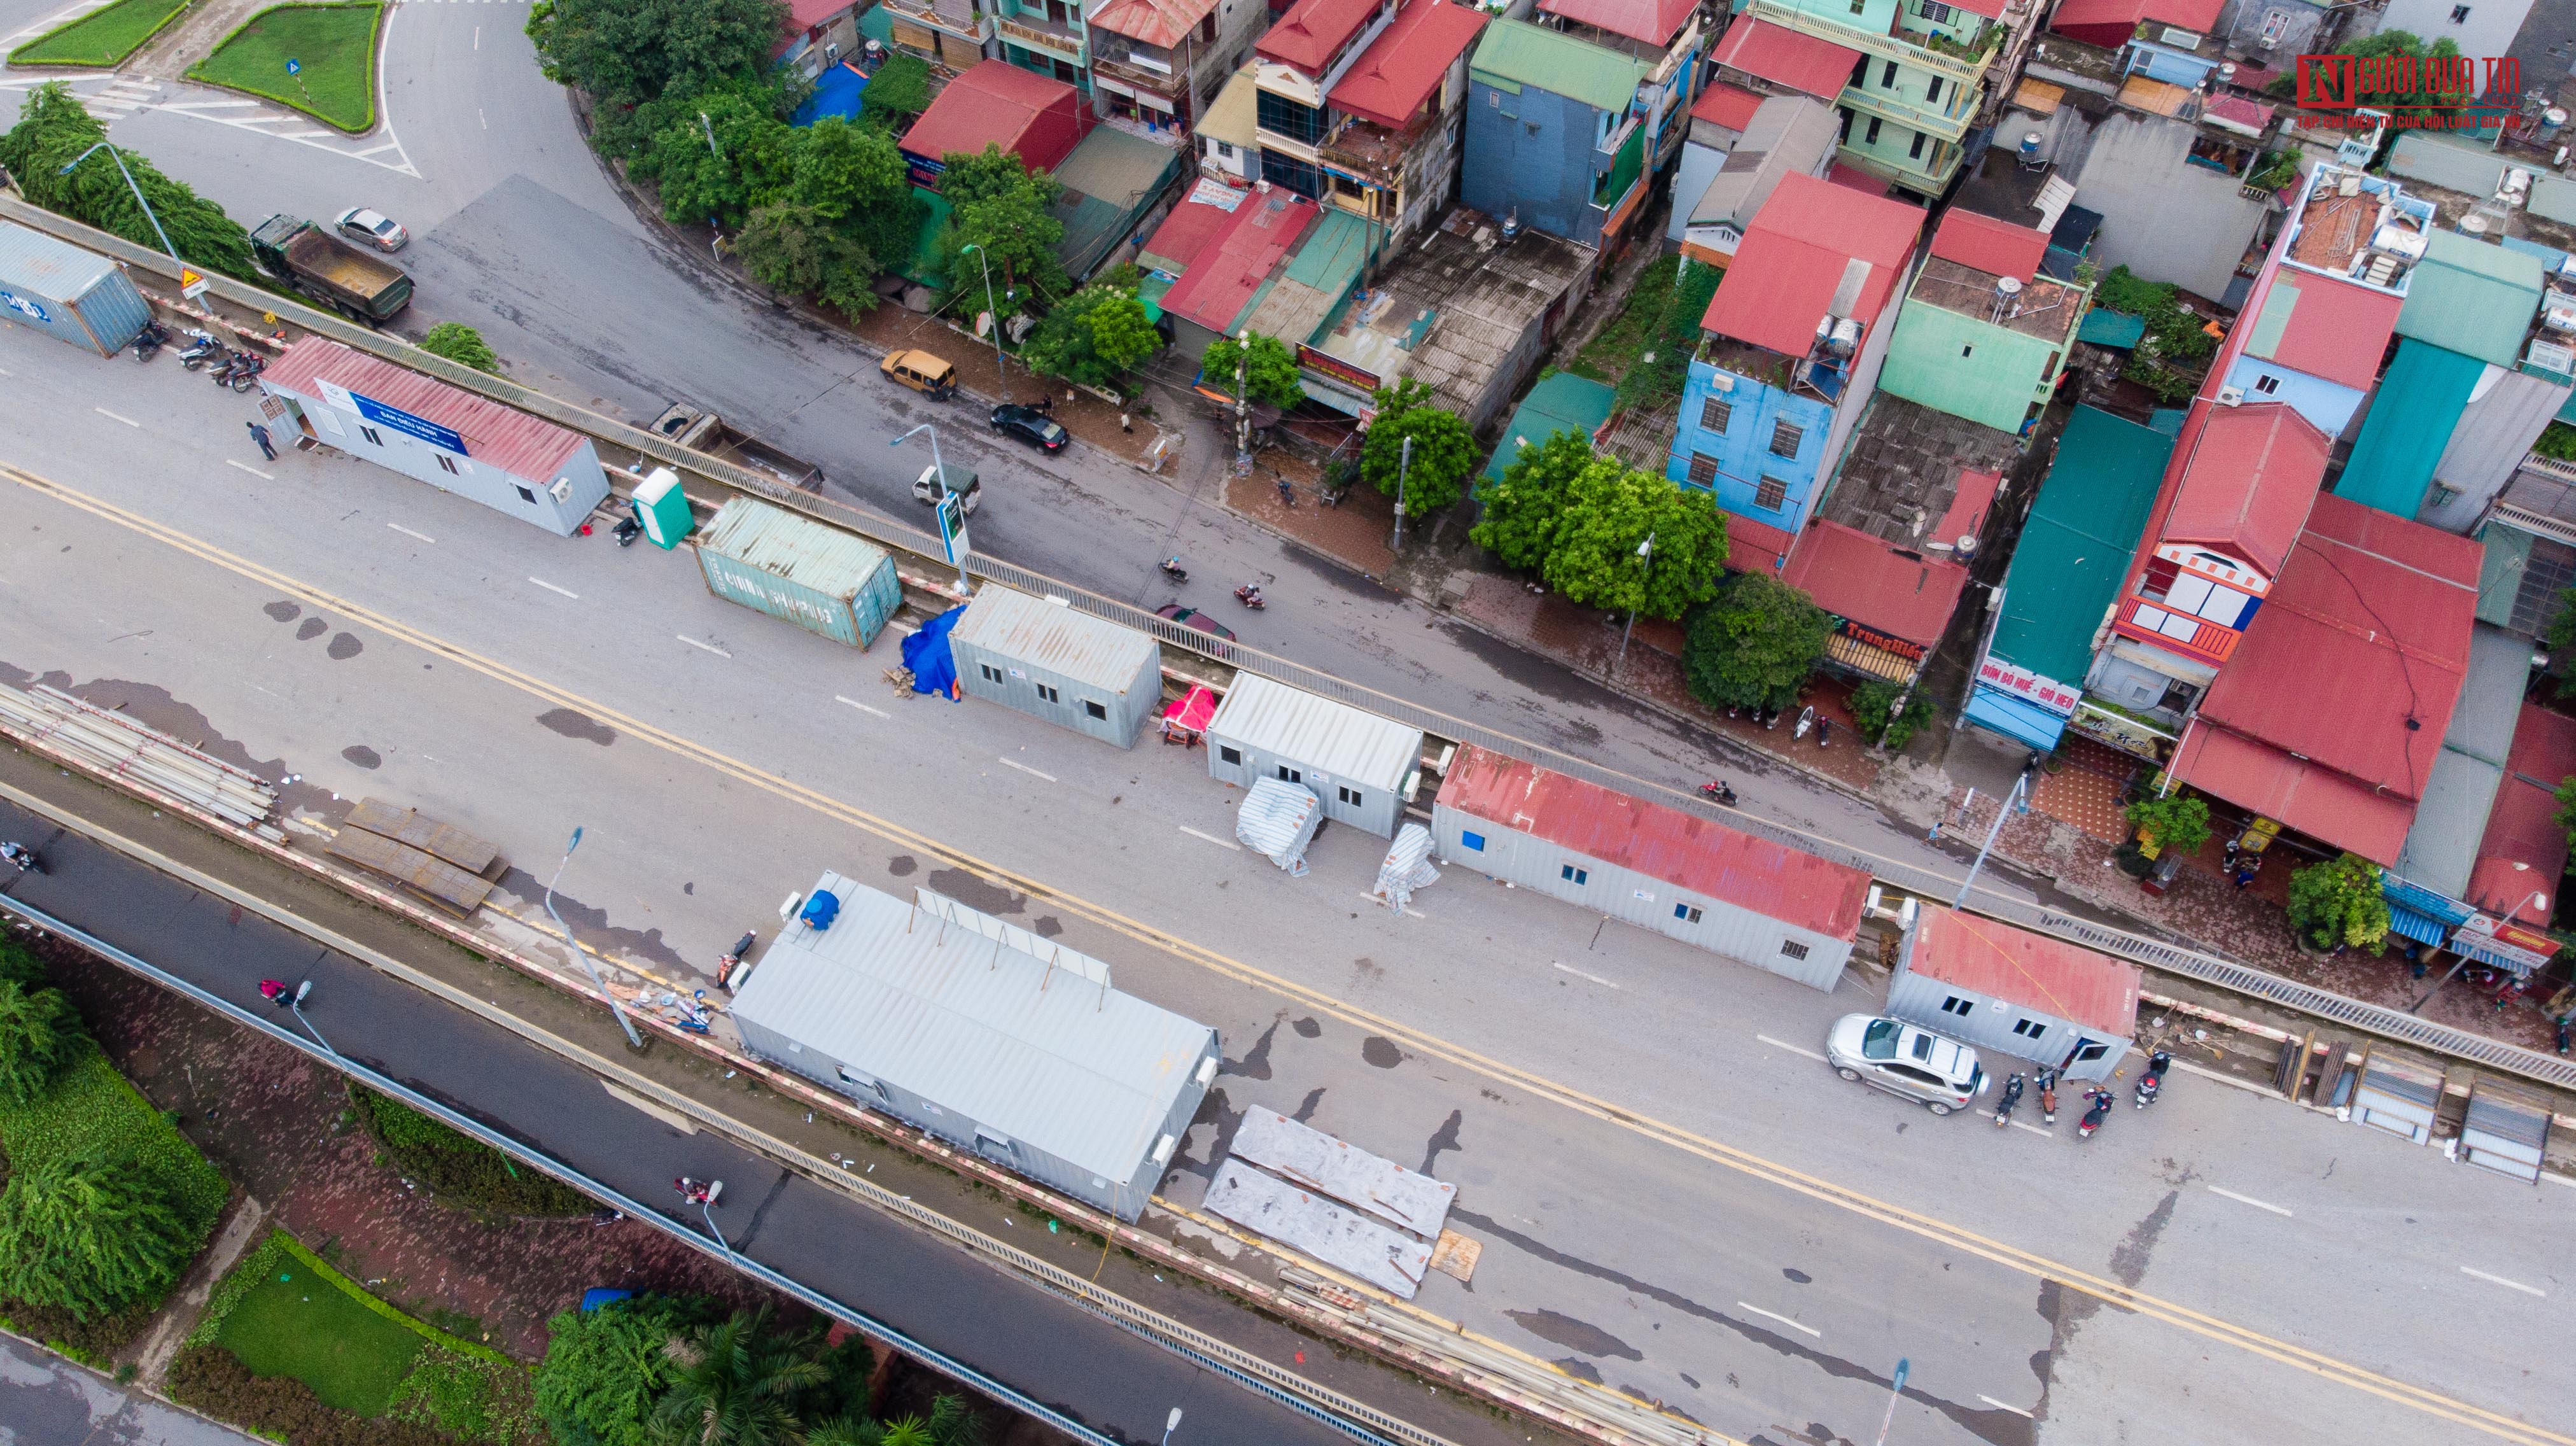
(1931, 1228)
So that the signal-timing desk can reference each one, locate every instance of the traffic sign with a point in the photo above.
(191, 284)
(952, 529)
(294, 67)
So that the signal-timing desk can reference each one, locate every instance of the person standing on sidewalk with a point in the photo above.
(259, 434)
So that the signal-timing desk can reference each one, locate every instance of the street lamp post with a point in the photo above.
(112, 155)
(2002, 811)
(1895, 1393)
(707, 1208)
(1171, 1423)
(615, 1005)
(998, 364)
(1645, 569)
(940, 469)
(1403, 467)
(295, 1005)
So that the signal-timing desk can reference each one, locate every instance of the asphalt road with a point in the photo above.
(1637, 1133)
(46, 1400)
(1050, 1349)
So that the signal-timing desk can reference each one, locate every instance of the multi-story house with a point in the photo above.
(1357, 105)
(1162, 62)
(1911, 78)
(1670, 36)
(1554, 136)
(1715, 194)
(951, 33)
(1046, 36)
(1984, 333)
(1791, 348)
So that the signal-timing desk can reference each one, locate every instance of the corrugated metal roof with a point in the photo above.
(2313, 799)
(1163, 23)
(1563, 402)
(54, 270)
(1788, 135)
(1035, 117)
(1655, 22)
(1997, 248)
(1807, 244)
(1222, 283)
(2325, 328)
(1072, 645)
(2472, 297)
(791, 545)
(2188, 14)
(1185, 233)
(514, 441)
(2075, 548)
(1083, 1073)
(2410, 421)
(1518, 53)
(1312, 31)
(2525, 848)
(2034, 971)
(1403, 67)
(2253, 472)
(1727, 104)
(1332, 738)
(1681, 849)
(2460, 794)
(1854, 575)
(1787, 57)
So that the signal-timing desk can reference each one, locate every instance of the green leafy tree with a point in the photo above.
(1610, 511)
(1875, 713)
(898, 91)
(735, 1383)
(1753, 644)
(88, 1232)
(1093, 337)
(52, 132)
(462, 345)
(1444, 451)
(794, 250)
(748, 166)
(2337, 903)
(40, 1034)
(853, 176)
(2176, 823)
(1517, 513)
(1269, 370)
(605, 1369)
(627, 51)
(999, 209)
(2566, 815)
(19, 965)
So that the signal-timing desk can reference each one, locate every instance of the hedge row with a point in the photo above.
(214, 1380)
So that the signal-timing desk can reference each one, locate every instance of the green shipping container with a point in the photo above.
(798, 570)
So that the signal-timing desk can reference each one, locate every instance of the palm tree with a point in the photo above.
(735, 1384)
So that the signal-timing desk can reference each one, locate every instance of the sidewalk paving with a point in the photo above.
(1090, 419)
(45, 1399)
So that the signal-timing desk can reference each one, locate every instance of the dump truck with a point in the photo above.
(365, 288)
(701, 430)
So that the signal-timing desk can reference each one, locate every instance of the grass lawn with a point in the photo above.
(334, 44)
(91, 1104)
(1661, 316)
(296, 1321)
(102, 37)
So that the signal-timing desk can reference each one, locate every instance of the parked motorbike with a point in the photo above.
(699, 1192)
(2093, 1117)
(22, 856)
(2153, 1081)
(246, 376)
(627, 531)
(1250, 596)
(201, 348)
(1172, 569)
(731, 960)
(2563, 1026)
(2012, 1097)
(1716, 791)
(1806, 720)
(149, 341)
(233, 365)
(2046, 1080)
(1769, 717)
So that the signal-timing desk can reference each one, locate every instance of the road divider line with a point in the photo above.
(1782, 1319)
(550, 587)
(245, 466)
(2007, 1406)
(710, 647)
(2507, 1284)
(2042, 1131)
(673, 1118)
(2217, 1329)
(862, 707)
(1792, 1048)
(1024, 768)
(1223, 843)
(113, 417)
(1579, 974)
(407, 532)
(2248, 1200)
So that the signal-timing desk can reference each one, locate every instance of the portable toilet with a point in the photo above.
(663, 509)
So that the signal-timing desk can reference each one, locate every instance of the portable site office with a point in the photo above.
(1049, 661)
(2015, 992)
(984, 1035)
(1363, 767)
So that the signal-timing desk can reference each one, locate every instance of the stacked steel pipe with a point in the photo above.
(107, 742)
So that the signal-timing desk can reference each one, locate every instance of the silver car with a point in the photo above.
(373, 228)
(1906, 1061)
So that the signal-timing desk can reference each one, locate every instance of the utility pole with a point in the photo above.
(2003, 811)
(1242, 405)
(1645, 569)
(1403, 466)
(615, 1005)
(171, 251)
(996, 318)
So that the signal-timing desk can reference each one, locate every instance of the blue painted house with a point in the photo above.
(1553, 135)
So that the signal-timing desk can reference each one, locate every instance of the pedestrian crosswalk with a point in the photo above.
(113, 98)
(55, 21)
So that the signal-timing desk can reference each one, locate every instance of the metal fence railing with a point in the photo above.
(2155, 954)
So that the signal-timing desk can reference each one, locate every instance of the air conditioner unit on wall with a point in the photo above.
(562, 489)
(2231, 396)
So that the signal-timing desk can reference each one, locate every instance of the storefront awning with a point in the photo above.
(2474, 946)
(2402, 893)
(2422, 928)
(2016, 717)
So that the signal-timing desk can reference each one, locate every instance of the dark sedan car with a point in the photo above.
(1031, 426)
(1190, 617)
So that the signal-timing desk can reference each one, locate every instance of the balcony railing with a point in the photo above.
(1908, 108)
(1161, 82)
(1043, 33)
(974, 25)
(1887, 47)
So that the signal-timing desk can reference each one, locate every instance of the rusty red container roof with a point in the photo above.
(1661, 842)
(2034, 971)
(512, 440)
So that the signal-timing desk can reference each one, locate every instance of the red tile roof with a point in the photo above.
(1731, 106)
(1156, 22)
(2069, 981)
(1997, 248)
(1036, 117)
(1655, 22)
(2335, 331)
(1187, 231)
(2249, 479)
(1854, 575)
(1798, 255)
(2075, 15)
(1231, 267)
(1312, 31)
(1682, 849)
(519, 444)
(2525, 848)
(2352, 668)
(1403, 67)
(1756, 546)
(1787, 57)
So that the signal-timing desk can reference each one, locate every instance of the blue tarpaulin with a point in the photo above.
(934, 667)
(2423, 928)
(836, 92)
(2016, 717)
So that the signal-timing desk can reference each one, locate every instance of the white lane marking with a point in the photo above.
(550, 587)
(1782, 1319)
(113, 417)
(4, 372)
(1595, 978)
(407, 532)
(2247, 1200)
(184, 106)
(2507, 1284)
(485, 119)
(302, 135)
(1024, 768)
(1223, 843)
(862, 707)
(387, 146)
(2007, 1406)
(673, 1118)
(2041, 1131)
(1792, 1048)
(245, 466)
(710, 647)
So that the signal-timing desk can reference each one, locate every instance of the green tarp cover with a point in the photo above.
(2111, 328)
(2076, 546)
(2409, 423)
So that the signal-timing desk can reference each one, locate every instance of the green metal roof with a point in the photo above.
(2472, 298)
(1331, 258)
(2410, 422)
(1560, 403)
(2111, 328)
(1515, 53)
(2074, 550)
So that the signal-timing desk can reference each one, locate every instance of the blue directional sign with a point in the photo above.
(404, 422)
(295, 67)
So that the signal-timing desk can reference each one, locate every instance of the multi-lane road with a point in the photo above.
(1676, 1198)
